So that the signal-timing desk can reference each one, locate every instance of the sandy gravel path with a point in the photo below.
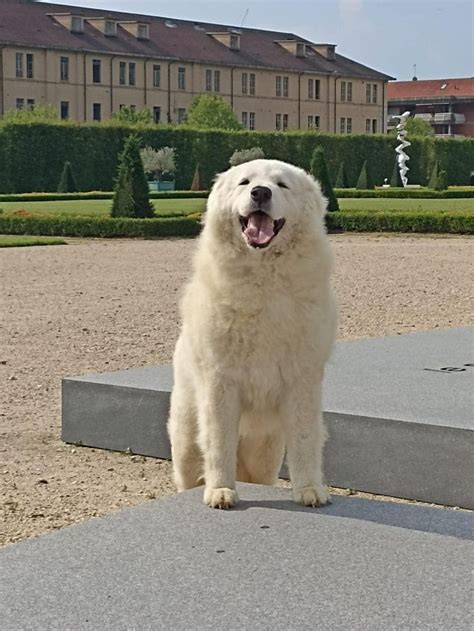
(108, 305)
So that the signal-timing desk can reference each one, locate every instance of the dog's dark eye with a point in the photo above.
(282, 185)
(244, 182)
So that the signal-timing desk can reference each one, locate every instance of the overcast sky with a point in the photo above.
(388, 35)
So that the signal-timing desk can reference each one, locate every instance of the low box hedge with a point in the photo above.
(93, 195)
(458, 222)
(404, 193)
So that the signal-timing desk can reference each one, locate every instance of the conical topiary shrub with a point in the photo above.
(67, 184)
(442, 181)
(319, 170)
(364, 181)
(131, 194)
(341, 179)
(196, 183)
(396, 180)
(433, 183)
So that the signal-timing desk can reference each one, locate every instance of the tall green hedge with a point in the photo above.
(32, 155)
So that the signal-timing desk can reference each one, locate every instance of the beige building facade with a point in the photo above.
(89, 83)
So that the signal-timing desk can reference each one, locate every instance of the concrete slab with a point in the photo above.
(400, 423)
(271, 564)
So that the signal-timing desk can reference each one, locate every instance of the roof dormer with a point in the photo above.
(293, 46)
(71, 21)
(107, 26)
(326, 50)
(231, 39)
(140, 30)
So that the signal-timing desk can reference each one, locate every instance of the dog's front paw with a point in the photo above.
(220, 498)
(312, 495)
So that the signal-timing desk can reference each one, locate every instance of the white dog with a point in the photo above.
(259, 322)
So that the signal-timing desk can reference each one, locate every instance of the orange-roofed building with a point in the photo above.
(447, 104)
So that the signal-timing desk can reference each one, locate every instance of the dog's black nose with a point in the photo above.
(261, 194)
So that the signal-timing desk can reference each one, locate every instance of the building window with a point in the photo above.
(278, 122)
(77, 24)
(30, 103)
(252, 120)
(181, 114)
(156, 114)
(19, 65)
(252, 84)
(374, 126)
(314, 89)
(96, 112)
(181, 78)
(343, 90)
(64, 69)
(245, 83)
(29, 66)
(285, 86)
(368, 125)
(110, 28)
(132, 73)
(349, 126)
(20, 104)
(281, 122)
(64, 109)
(245, 120)
(208, 80)
(285, 122)
(217, 80)
(349, 90)
(122, 73)
(156, 76)
(342, 127)
(313, 122)
(143, 31)
(278, 87)
(374, 93)
(368, 92)
(96, 71)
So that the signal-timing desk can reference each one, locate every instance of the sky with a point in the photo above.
(387, 35)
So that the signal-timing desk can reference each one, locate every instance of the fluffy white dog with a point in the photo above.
(259, 322)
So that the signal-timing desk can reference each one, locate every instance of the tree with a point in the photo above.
(196, 183)
(433, 183)
(37, 113)
(246, 155)
(418, 127)
(396, 179)
(364, 181)
(158, 162)
(211, 112)
(341, 179)
(67, 184)
(132, 116)
(319, 170)
(131, 194)
(442, 183)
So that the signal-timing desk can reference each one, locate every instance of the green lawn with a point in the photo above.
(97, 207)
(187, 206)
(14, 241)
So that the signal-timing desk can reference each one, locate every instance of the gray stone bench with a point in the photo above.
(269, 564)
(399, 412)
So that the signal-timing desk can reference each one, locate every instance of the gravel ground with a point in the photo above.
(108, 305)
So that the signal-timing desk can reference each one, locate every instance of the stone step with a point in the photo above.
(399, 412)
(268, 564)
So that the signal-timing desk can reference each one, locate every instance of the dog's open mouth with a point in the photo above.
(260, 229)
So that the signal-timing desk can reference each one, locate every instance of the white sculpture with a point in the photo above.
(402, 156)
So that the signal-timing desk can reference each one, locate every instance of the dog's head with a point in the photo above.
(264, 204)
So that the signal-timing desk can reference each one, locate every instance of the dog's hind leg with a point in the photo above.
(183, 432)
(260, 457)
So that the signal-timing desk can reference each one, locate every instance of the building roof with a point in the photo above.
(29, 23)
(435, 88)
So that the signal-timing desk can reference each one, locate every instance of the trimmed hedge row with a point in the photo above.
(32, 155)
(189, 226)
(341, 193)
(94, 195)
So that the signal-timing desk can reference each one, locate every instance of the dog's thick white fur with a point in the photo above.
(258, 324)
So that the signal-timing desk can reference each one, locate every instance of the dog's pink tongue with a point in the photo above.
(259, 229)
